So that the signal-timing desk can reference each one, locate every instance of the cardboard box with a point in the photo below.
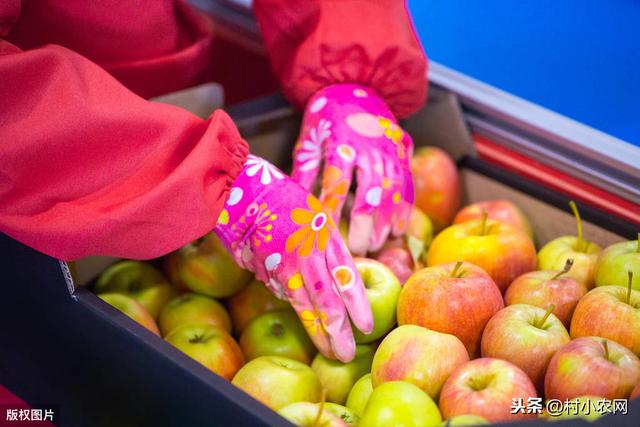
(61, 346)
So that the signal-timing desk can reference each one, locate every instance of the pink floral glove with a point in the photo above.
(279, 231)
(350, 127)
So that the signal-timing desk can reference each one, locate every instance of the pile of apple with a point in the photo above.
(465, 323)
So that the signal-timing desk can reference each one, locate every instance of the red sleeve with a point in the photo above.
(89, 168)
(315, 43)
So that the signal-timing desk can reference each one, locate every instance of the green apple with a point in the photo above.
(195, 309)
(211, 346)
(278, 381)
(383, 289)
(400, 404)
(554, 255)
(359, 394)
(138, 280)
(277, 333)
(206, 267)
(464, 420)
(345, 414)
(251, 302)
(616, 261)
(338, 378)
(307, 414)
(131, 308)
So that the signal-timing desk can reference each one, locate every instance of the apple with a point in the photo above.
(399, 262)
(464, 420)
(131, 308)
(170, 264)
(419, 234)
(486, 387)
(359, 394)
(251, 302)
(592, 366)
(498, 210)
(206, 267)
(382, 289)
(437, 185)
(526, 336)
(636, 392)
(338, 378)
(307, 414)
(503, 251)
(211, 346)
(278, 381)
(545, 287)
(402, 404)
(614, 263)
(417, 355)
(277, 333)
(587, 408)
(345, 414)
(138, 280)
(554, 255)
(454, 298)
(193, 308)
(611, 312)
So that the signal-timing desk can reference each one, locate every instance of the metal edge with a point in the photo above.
(574, 137)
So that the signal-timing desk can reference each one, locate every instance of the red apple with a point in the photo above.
(454, 298)
(636, 392)
(611, 312)
(486, 387)
(206, 267)
(417, 355)
(211, 346)
(131, 308)
(547, 287)
(251, 302)
(499, 210)
(437, 185)
(592, 366)
(399, 262)
(170, 264)
(526, 336)
(503, 251)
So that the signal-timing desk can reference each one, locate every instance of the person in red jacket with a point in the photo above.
(89, 166)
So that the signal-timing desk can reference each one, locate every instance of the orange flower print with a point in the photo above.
(316, 225)
(314, 321)
(335, 189)
(394, 133)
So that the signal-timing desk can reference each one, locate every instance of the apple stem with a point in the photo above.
(605, 344)
(565, 270)
(630, 274)
(574, 208)
(454, 273)
(323, 399)
(483, 222)
(540, 324)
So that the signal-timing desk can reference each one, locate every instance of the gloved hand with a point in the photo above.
(279, 231)
(349, 127)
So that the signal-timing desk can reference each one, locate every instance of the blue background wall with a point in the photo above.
(580, 58)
